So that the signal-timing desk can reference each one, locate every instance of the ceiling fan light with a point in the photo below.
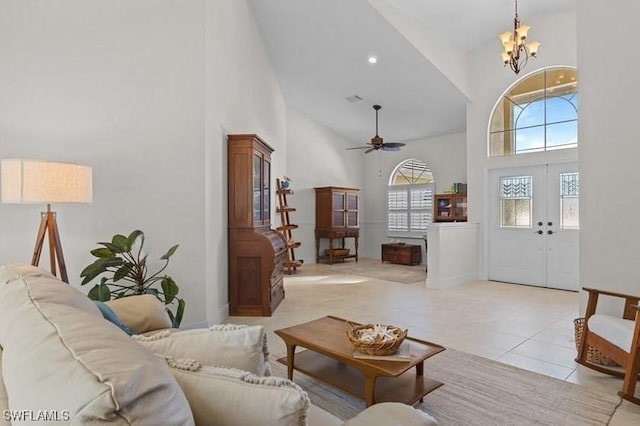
(508, 47)
(505, 57)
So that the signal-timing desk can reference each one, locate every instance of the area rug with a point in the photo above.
(382, 271)
(478, 391)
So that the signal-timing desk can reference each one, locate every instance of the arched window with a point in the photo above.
(410, 199)
(537, 113)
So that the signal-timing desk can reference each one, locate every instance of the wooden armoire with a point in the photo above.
(337, 218)
(256, 252)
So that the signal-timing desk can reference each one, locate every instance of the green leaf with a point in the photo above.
(121, 242)
(102, 252)
(179, 313)
(131, 239)
(100, 292)
(170, 289)
(122, 272)
(168, 254)
(98, 267)
(115, 249)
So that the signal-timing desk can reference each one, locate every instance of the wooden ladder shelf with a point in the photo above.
(291, 264)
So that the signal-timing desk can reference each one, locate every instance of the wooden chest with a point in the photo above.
(405, 254)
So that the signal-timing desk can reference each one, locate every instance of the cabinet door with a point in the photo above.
(352, 210)
(444, 208)
(338, 201)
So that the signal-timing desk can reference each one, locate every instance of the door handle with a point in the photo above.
(540, 223)
(549, 232)
(549, 223)
(539, 232)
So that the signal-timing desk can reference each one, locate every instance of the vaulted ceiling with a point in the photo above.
(319, 51)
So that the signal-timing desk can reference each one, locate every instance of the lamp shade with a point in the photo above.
(36, 181)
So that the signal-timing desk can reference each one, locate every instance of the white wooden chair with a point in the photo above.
(616, 338)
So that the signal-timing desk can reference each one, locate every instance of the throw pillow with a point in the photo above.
(229, 345)
(141, 313)
(231, 397)
(111, 316)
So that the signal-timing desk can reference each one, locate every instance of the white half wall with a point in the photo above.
(446, 155)
(609, 148)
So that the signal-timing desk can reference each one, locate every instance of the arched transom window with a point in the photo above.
(538, 113)
(410, 199)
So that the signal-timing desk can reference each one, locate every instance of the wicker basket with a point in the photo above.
(337, 252)
(593, 355)
(377, 347)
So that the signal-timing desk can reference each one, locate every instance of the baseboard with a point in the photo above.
(450, 282)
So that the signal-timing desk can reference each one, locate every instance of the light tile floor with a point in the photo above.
(527, 327)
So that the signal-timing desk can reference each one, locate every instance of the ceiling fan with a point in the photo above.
(377, 143)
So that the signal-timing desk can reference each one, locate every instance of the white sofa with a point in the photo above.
(61, 361)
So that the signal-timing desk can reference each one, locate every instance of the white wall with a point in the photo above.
(145, 93)
(445, 155)
(316, 157)
(490, 79)
(243, 96)
(609, 148)
(118, 86)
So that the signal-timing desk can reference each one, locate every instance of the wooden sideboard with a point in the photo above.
(404, 254)
(337, 218)
(256, 252)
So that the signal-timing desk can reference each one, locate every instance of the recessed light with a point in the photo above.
(372, 59)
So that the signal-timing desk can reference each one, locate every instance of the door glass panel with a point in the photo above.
(569, 196)
(516, 201)
(352, 202)
(338, 218)
(352, 219)
(257, 173)
(338, 201)
(266, 191)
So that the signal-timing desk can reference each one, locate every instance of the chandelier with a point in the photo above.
(516, 52)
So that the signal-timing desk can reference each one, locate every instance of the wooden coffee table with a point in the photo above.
(330, 358)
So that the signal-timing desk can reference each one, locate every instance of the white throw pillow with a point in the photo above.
(59, 355)
(141, 313)
(229, 345)
(231, 397)
(392, 413)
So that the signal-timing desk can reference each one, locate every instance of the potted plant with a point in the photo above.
(124, 271)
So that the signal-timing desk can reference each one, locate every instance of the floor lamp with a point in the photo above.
(45, 182)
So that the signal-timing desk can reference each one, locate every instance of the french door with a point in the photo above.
(534, 225)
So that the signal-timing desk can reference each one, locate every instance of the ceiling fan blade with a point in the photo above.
(358, 147)
(369, 150)
(384, 148)
(392, 144)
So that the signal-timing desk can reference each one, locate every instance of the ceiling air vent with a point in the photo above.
(354, 98)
